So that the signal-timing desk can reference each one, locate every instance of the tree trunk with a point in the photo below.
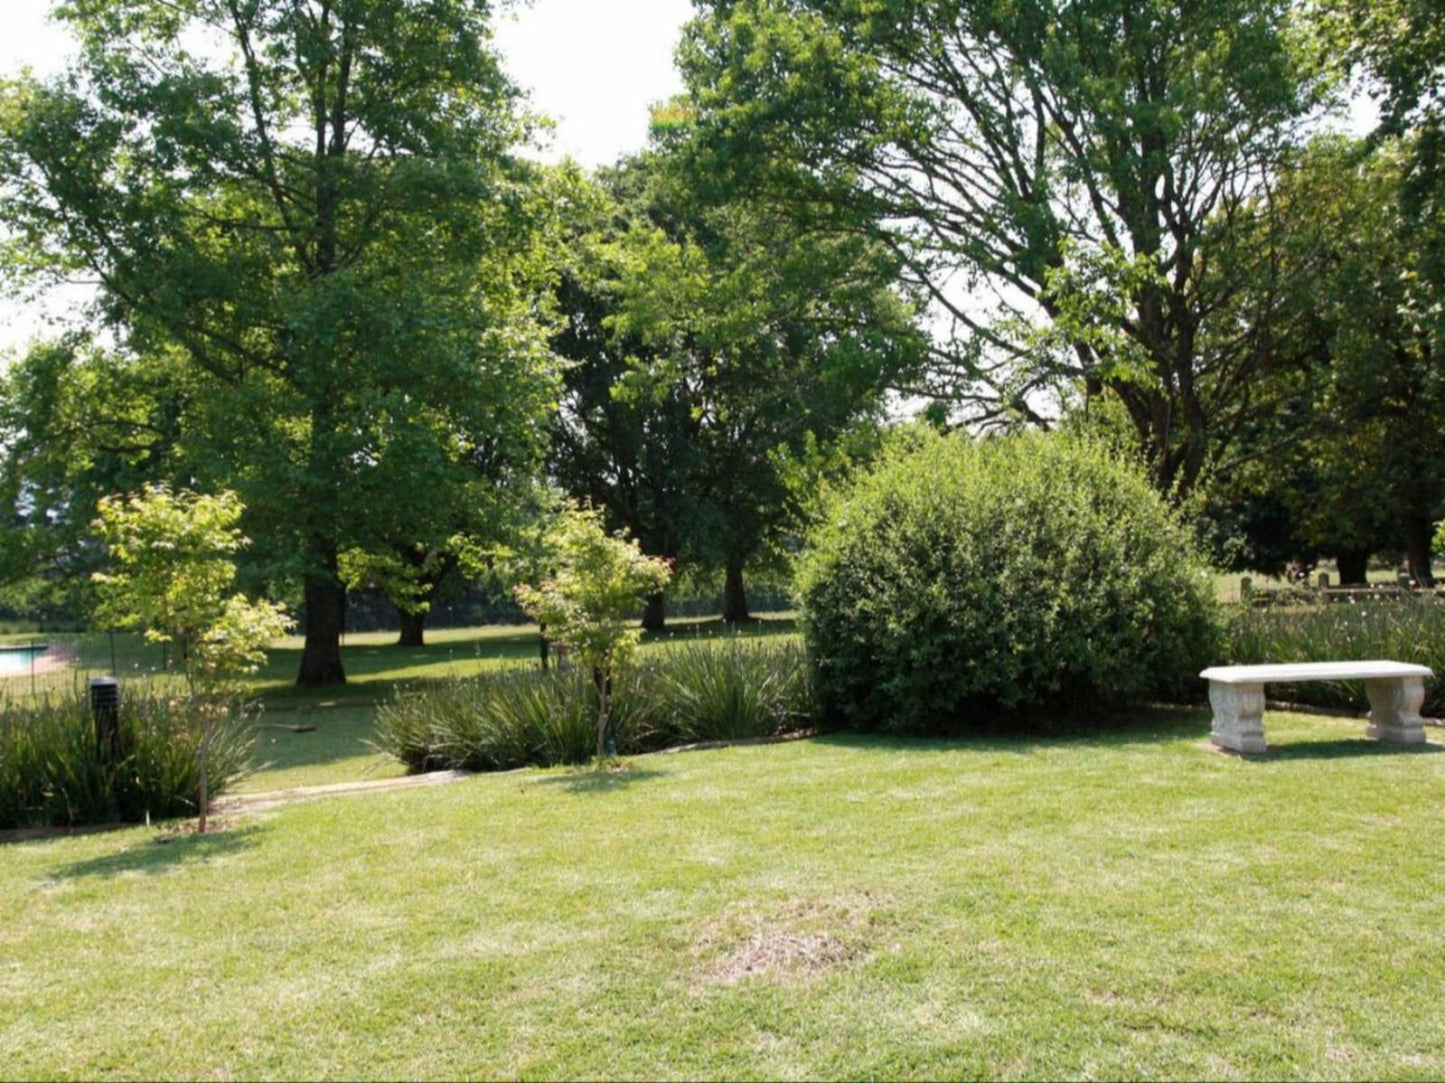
(413, 628)
(325, 617)
(735, 595)
(654, 613)
(1352, 567)
(1418, 540)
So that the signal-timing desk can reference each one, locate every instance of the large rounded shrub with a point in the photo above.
(963, 584)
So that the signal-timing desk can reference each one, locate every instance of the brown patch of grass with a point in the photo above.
(797, 938)
(776, 949)
(214, 826)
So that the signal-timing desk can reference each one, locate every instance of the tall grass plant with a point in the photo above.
(1402, 630)
(695, 692)
(53, 772)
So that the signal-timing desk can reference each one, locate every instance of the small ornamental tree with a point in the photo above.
(173, 581)
(588, 603)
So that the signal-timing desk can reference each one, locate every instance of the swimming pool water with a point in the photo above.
(15, 660)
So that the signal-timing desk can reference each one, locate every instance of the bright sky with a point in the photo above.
(593, 66)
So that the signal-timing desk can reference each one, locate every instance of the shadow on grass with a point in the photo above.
(592, 780)
(1151, 725)
(151, 856)
(1339, 749)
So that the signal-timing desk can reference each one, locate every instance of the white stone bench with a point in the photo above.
(1396, 691)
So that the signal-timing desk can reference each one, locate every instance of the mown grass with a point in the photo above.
(1118, 907)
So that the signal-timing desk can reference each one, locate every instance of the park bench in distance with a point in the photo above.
(1396, 691)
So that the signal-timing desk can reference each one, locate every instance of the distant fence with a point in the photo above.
(371, 611)
(1322, 593)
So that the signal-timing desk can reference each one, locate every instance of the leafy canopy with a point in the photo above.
(985, 141)
(173, 580)
(588, 602)
(318, 206)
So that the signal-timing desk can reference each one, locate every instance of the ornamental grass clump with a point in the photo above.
(498, 721)
(729, 691)
(520, 718)
(54, 773)
(1401, 630)
(976, 584)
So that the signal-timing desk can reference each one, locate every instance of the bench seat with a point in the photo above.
(1236, 693)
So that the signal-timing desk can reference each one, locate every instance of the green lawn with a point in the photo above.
(1130, 906)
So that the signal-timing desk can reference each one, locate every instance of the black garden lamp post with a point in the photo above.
(105, 707)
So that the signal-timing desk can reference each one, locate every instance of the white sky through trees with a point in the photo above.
(593, 66)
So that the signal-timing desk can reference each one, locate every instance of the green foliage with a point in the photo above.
(719, 692)
(963, 583)
(52, 772)
(719, 352)
(599, 581)
(587, 603)
(1346, 444)
(491, 723)
(173, 551)
(696, 692)
(979, 140)
(1403, 630)
(320, 216)
(1400, 44)
(235, 643)
(77, 423)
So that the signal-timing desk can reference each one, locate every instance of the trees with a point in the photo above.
(1401, 44)
(77, 423)
(632, 457)
(1353, 447)
(173, 580)
(718, 347)
(1026, 161)
(315, 204)
(587, 602)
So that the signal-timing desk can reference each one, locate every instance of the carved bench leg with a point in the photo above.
(1238, 717)
(1395, 710)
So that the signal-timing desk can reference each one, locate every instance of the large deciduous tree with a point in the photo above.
(1400, 44)
(1038, 166)
(718, 347)
(317, 203)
